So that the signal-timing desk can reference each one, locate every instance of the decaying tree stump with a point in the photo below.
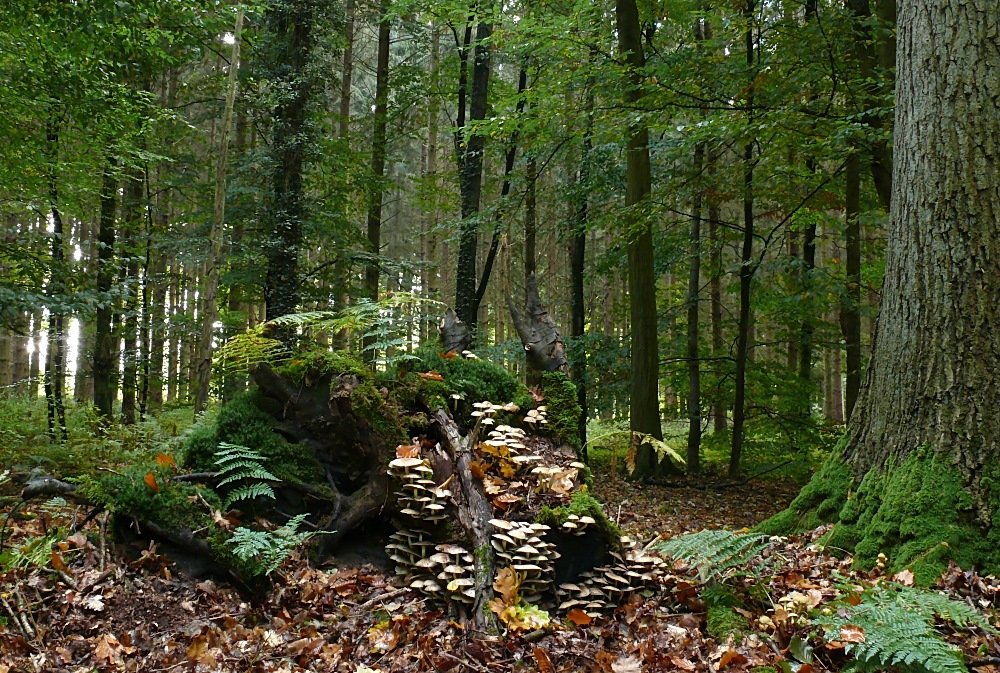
(543, 345)
(455, 334)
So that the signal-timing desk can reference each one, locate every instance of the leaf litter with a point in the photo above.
(90, 608)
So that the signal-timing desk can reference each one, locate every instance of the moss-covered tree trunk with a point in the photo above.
(923, 439)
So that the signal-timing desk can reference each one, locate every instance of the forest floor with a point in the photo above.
(81, 605)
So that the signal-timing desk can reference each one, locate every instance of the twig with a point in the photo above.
(464, 662)
(984, 661)
(14, 616)
(383, 597)
(103, 543)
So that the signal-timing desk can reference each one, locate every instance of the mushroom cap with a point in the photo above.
(451, 549)
(454, 570)
(502, 524)
(440, 558)
(406, 462)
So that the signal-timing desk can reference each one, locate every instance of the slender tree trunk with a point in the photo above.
(291, 26)
(850, 311)
(693, 320)
(578, 264)
(132, 226)
(645, 365)
(720, 422)
(173, 330)
(471, 151)
(530, 218)
(210, 300)
(104, 342)
(375, 196)
(747, 268)
(55, 374)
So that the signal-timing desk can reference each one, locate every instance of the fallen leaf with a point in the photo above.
(94, 602)
(905, 577)
(477, 469)
(107, 650)
(197, 647)
(683, 664)
(58, 563)
(151, 482)
(730, 657)
(852, 634)
(544, 663)
(407, 450)
(163, 460)
(578, 617)
(506, 584)
(431, 375)
(627, 665)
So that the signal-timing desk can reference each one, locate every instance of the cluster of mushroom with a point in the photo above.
(606, 587)
(522, 545)
(537, 416)
(419, 497)
(577, 525)
(485, 411)
(447, 573)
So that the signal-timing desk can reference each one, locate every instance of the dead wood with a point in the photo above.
(543, 344)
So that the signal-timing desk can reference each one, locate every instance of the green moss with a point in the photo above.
(385, 421)
(722, 620)
(242, 422)
(172, 505)
(311, 365)
(918, 513)
(819, 502)
(563, 410)
(581, 504)
(473, 379)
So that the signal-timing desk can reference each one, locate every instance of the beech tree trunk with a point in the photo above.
(934, 378)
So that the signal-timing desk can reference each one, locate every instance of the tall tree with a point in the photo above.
(644, 416)
(210, 304)
(924, 424)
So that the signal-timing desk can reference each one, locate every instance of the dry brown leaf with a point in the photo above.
(58, 563)
(578, 617)
(905, 577)
(731, 657)
(151, 482)
(683, 664)
(431, 375)
(107, 650)
(544, 663)
(477, 469)
(852, 634)
(407, 450)
(506, 584)
(627, 665)
(197, 647)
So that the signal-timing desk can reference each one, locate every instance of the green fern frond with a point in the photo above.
(263, 552)
(714, 552)
(240, 463)
(897, 623)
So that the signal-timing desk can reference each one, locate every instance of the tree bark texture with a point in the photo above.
(933, 378)
(104, 341)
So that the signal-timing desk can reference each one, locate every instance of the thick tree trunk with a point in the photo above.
(933, 378)
(132, 207)
(645, 365)
(693, 320)
(924, 437)
(850, 311)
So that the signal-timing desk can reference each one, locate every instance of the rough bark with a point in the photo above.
(693, 321)
(934, 368)
(132, 219)
(850, 310)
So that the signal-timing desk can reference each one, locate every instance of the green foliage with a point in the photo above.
(242, 423)
(262, 552)
(898, 627)
(562, 409)
(715, 552)
(171, 504)
(473, 380)
(722, 620)
(241, 464)
(35, 553)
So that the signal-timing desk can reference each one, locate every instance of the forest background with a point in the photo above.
(374, 159)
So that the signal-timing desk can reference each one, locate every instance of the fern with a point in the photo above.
(262, 552)
(239, 463)
(4, 477)
(714, 552)
(897, 623)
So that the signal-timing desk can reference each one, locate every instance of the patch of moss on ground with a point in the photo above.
(562, 409)
(242, 422)
(722, 620)
(819, 502)
(172, 505)
(581, 504)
